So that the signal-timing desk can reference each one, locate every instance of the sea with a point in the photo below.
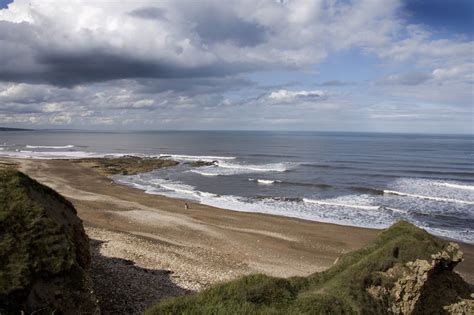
(357, 179)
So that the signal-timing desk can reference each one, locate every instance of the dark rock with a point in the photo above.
(202, 163)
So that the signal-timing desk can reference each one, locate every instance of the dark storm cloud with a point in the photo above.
(193, 86)
(214, 25)
(26, 58)
(19, 109)
(72, 68)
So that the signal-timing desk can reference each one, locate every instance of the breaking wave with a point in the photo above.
(205, 158)
(225, 168)
(264, 181)
(398, 193)
(458, 186)
(69, 146)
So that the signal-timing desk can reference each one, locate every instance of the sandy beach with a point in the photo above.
(148, 247)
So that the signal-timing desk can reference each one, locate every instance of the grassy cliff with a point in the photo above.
(44, 252)
(406, 270)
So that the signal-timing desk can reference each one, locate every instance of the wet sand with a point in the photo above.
(153, 240)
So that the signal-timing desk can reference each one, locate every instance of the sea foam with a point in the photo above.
(69, 146)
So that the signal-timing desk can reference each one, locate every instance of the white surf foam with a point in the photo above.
(398, 193)
(264, 181)
(336, 204)
(205, 158)
(225, 168)
(272, 167)
(458, 186)
(69, 146)
(432, 190)
(203, 173)
(353, 210)
(28, 154)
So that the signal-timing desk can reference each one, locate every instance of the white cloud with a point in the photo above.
(52, 107)
(288, 96)
(463, 72)
(61, 119)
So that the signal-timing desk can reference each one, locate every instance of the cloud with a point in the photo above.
(411, 78)
(462, 72)
(214, 64)
(289, 96)
(89, 42)
(150, 13)
(335, 83)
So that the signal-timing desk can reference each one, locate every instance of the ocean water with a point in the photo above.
(367, 180)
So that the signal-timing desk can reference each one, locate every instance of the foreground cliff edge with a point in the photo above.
(44, 251)
(405, 271)
(44, 262)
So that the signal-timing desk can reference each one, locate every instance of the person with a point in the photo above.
(186, 207)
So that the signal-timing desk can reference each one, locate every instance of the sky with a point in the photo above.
(324, 65)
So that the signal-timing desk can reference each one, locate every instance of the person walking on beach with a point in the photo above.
(186, 207)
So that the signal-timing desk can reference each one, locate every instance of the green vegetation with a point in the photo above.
(127, 165)
(342, 289)
(38, 252)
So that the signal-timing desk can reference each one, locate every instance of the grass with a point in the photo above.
(33, 246)
(342, 289)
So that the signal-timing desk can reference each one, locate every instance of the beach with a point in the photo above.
(148, 247)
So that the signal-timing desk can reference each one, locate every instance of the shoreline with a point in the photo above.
(196, 248)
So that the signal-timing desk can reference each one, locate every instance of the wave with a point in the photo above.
(27, 154)
(319, 185)
(329, 203)
(272, 167)
(206, 158)
(288, 199)
(458, 186)
(203, 173)
(373, 191)
(442, 199)
(272, 155)
(354, 210)
(69, 146)
(264, 181)
(321, 165)
(225, 168)
(281, 182)
(391, 170)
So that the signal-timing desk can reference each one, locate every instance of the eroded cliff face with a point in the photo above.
(44, 251)
(426, 286)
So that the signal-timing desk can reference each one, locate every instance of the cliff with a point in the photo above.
(44, 251)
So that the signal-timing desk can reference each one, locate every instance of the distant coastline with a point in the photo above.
(14, 129)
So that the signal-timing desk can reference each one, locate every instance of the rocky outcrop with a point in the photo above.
(202, 163)
(425, 286)
(44, 251)
(126, 165)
